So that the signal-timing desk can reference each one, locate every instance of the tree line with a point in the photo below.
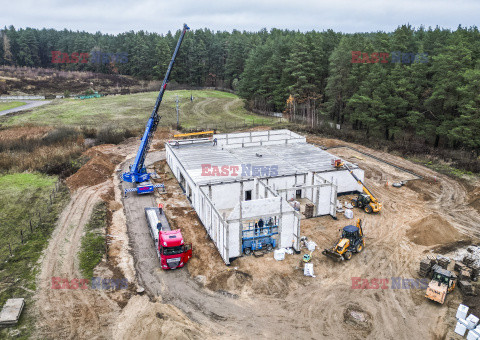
(410, 83)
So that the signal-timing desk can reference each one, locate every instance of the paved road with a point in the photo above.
(30, 104)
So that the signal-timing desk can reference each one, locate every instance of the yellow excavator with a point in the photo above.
(365, 200)
(443, 282)
(352, 241)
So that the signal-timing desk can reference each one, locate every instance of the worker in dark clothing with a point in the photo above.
(214, 141)
(256, 228)
(260, 225)
(159, 226)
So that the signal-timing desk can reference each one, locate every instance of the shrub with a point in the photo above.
(114, 135)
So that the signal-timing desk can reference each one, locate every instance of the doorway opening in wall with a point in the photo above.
(182, 182)
(189, 195)
(248, 195)
(298, 193)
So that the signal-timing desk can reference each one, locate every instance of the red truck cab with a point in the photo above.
(174, 253)
(171, 248)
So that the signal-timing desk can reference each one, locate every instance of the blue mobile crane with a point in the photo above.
(138, 172)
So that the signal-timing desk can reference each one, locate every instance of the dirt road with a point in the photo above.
(71, 313)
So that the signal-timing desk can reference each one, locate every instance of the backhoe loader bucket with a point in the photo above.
(332, 254)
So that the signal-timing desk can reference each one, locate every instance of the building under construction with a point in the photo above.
(238, 182)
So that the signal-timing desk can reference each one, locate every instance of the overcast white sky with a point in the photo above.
(251, 15)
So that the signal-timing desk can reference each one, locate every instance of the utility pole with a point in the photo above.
(178, 122)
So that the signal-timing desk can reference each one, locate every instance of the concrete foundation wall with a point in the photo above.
(344, 180)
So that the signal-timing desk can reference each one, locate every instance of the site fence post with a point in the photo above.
(21, 235)
(10, 248)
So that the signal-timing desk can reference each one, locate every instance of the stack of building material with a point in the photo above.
(461, 327)
(308, 270)
(443, 261)
(11, 311)
(472, 321)
(462, 312)
(475, 271)
(458, 266)
(466, 287)
(425, 267)
(473, 333)
(469, 260)
(465, 274)
(309, 207)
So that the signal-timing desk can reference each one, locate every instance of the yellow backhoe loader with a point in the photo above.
(352, 241)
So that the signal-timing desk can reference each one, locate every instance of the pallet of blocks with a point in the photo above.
(466, 287)
(465, 274)
(309, 207)
(443, 261)
(426, 265)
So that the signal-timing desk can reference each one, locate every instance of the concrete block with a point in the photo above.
(11, 311)
(462, 312)
(279, 254)
(473, 335)
(472, 321)
(461, 328)
(308, 270)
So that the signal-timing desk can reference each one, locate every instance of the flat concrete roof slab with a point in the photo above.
(287, 158)
(11, 311)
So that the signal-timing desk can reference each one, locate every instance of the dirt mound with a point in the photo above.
(432, 230)
(142, 319)
(97, 170)
(100, 150)
(474, 199)
(230, 280)
(426, 188)
(164, 134)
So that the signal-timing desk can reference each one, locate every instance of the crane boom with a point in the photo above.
(359, 181)
(138, 172)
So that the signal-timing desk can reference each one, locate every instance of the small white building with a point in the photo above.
(244, 177)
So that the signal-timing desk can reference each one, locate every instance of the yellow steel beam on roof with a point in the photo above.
(193, 134)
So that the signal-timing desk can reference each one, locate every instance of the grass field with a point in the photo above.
(22, 197)
(132, 111)
(93, 242)
(10, 105)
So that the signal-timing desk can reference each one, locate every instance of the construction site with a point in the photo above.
(268, 169)
(261, 233)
